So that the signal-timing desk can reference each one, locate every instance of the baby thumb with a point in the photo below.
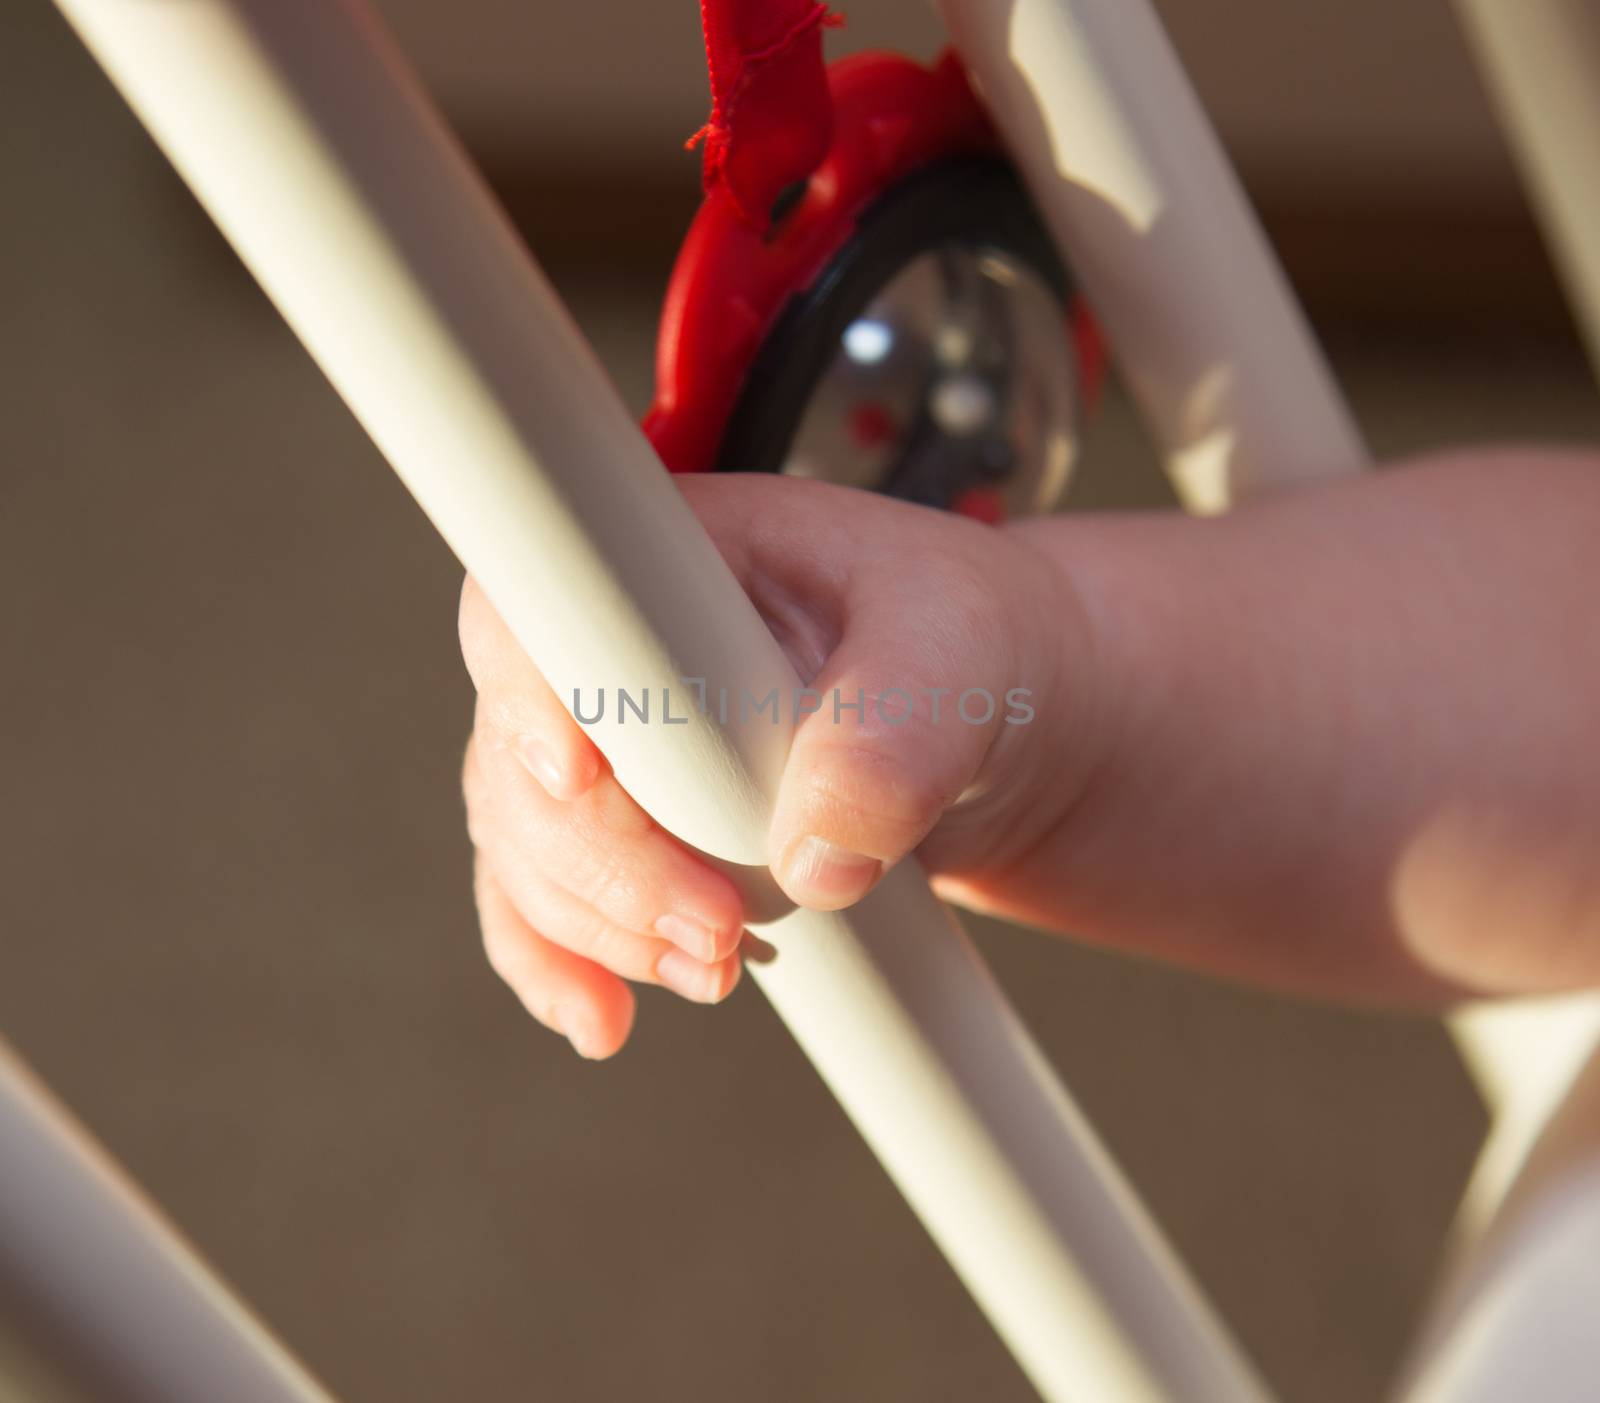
(892, 731)
(895, 617)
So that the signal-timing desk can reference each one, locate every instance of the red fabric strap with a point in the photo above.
(771, 117)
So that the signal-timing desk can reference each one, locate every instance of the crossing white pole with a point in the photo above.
(125, 1307)
(1128, 172)
(1541, 59)
(316, 153)
(1515, 1314)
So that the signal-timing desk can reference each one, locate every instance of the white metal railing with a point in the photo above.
(302, 133)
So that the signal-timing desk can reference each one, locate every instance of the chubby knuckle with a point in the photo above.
(619, 951)
(618, 820)
(587, 932)
(612, 880)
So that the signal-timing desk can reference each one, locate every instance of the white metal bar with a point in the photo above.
(1516, 1317)
(1129, 174)
(1524, 1055)
(296, 126)
(1541, 59)
(117, 1287)
(1515, 1314)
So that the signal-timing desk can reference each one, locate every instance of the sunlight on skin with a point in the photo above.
(1486, 898)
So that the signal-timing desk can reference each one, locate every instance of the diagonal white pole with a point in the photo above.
(1515, 1313)
(1541, 60)
(1136, 187)
(124, 1307)
(298, 128)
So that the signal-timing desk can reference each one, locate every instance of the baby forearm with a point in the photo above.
(1347, 741)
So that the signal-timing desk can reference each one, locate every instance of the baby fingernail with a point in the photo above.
(541, 762)
(822, 874)
(581, 1032)
(688, 935)
(692, 978)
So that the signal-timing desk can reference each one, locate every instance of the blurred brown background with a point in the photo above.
(235, 930)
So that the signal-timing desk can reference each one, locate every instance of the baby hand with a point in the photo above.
(951, 633)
